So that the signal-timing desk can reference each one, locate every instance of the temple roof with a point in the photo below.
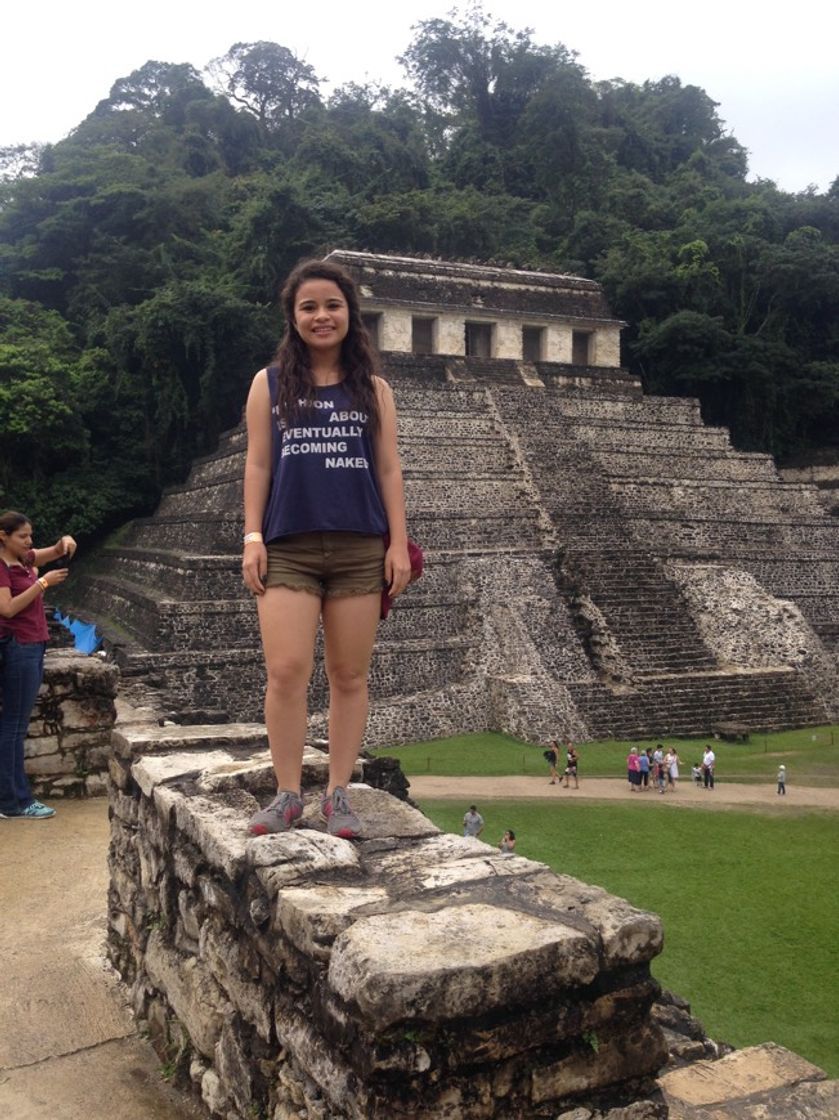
(457, 286)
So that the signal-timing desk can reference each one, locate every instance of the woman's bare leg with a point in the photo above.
(288, 622)
(349, 631)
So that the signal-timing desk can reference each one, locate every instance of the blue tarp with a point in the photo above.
(84, 633)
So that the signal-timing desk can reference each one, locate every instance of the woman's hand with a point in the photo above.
(255, 567)
(56, 575)
(397, 569)
(66, 546)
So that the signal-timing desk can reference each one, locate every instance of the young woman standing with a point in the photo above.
(323, 485)
(23, 639)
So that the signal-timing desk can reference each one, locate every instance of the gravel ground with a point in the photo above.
(723, 796)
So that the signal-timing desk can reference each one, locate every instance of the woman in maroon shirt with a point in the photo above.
(23, 637)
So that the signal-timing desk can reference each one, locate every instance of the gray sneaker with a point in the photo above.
(340, 819)
(278, 816)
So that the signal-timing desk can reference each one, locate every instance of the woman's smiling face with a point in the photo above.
(321, 314)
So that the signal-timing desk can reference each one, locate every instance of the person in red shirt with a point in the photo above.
(23, 638)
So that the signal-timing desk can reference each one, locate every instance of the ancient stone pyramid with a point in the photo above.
(598, 563)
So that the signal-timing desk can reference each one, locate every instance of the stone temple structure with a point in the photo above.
(599, 562)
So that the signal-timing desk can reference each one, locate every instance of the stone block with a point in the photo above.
(118, 773)
(34, 748)
(319, 1061)
(192, 915)
(217, 898)
(87, 713)
(97, 759)
(413, 965)
(190, 989)
(43, 765)
(185, 862)
(85, 740)
(152, 770)
(148, 738)
(212, 1093)
(312, 917)
(95, 785)
(606, 1061)
(281, 859)
(233, 1065)
(217, 829)
(256, 773)
(739, 1077)
(226, 956)
(628, 936)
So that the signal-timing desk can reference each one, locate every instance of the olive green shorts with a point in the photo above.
(327, 564)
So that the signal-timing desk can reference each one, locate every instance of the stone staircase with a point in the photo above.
(695, 703)
(595, 464)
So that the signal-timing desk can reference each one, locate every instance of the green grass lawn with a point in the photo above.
(811, 756)
(748, 902)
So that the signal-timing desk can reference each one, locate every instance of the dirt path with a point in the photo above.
(69, 1048)
(725, 796)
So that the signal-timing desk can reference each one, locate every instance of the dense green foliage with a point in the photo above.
(747, 902)
(140, 256)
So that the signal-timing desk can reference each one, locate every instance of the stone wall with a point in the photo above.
(410, 974)
(68, 744)
(824, 476)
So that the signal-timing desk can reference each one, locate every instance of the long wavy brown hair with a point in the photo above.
(358, 365)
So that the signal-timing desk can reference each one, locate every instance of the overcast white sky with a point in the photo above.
(772, 67)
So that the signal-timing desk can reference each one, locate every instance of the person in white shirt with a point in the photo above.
(473, 822)
(709, 760)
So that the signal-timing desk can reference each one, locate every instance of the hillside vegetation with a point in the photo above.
(140, 256)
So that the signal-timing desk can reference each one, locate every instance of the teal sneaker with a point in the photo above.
(37, 811)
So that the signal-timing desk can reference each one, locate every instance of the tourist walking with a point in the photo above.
(658, 765)
(709, 761)
(23, 639)
(671, 762)
(473, 822)
(552, 759)
(782, 780)
(644, 770)
(572, 760)
(323, 485)
(633, 770)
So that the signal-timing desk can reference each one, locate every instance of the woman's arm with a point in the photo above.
(257, 480)
(389, 476)
(64, 546)
(11, 605)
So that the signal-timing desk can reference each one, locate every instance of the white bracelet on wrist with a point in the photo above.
(253, 538)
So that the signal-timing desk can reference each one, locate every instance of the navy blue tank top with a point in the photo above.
(322, 477)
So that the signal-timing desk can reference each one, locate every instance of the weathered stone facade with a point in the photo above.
(68, 744)
(587, 550)
(411, 974)
(451, 296)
